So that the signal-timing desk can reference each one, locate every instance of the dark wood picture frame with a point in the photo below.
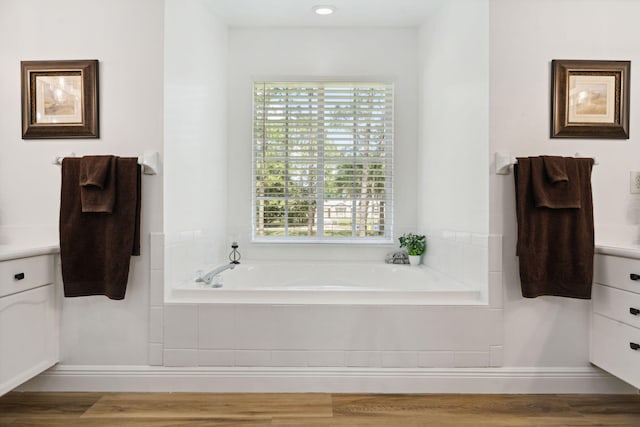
(590, 99)
(59, 99)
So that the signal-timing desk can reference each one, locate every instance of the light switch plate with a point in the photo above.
(634, 182)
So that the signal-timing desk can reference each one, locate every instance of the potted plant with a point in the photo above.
(415, 244)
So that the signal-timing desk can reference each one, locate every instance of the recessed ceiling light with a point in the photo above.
(324, 9)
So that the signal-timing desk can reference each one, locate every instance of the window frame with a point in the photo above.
(388, 237)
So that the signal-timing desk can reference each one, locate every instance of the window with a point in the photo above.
(322, 161)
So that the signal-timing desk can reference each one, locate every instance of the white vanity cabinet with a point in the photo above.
(615, 319)
(29, 324)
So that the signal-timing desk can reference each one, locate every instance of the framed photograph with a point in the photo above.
(590, 99)
(59, 99)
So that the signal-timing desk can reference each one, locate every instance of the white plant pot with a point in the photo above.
(414, 259)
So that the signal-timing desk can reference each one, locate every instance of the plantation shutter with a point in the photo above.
(323, 160)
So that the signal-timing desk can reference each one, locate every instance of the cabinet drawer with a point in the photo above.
(616, 272)
(21, 274)
(617, 304)
(28, 335)
(611, 348)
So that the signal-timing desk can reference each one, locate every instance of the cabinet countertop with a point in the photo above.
(626, 251)
(13, 251)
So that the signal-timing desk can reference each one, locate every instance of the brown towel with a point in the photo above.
(555, 169)
(96, 248)
(555, 246)
(97, 182)
(556, 182)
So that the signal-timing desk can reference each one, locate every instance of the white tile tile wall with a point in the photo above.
(254, 327)
(435, 359)
(156, 288)
(329, 335)
(460, 255)
(363, 359)
(181, 326)
(399, 359)
(463, 237)
(495, 252)
(155, 325)
(334, 327)
(359, 327)
(496, 294)
(495, 356)
(288, 358)
(156, 354)
(189, 251)
(156, 256)
(252, 358)
(361, 331)
(326, 358)
(294, 325)
(217, 327)
(156, 298)
(180, 357)
(494, 333)
(474, 269)
(216, 358)
(471, 359)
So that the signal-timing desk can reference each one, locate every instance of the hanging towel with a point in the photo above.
(96, 248)
(552, 187)
(555, 242)
(97, 183)
(555, 169)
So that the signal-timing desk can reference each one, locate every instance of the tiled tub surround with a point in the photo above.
(341, 336)
(331, 336)
(455, 260)
(323, 282)
(463, 256)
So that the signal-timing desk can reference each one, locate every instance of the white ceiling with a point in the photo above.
(298, 13)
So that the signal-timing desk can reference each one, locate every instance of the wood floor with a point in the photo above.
(211, 409)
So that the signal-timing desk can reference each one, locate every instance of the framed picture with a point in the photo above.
(590, 99)
(59, 99)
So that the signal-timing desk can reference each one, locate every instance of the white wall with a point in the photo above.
(126, 38)
(454, 118)
(453, 161)
(323, 53)
(525, 37)
(195, 137)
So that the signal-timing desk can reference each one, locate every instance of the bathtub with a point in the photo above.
(274, 282)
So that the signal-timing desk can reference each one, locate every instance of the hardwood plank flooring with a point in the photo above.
(316, 409)
(194, 405)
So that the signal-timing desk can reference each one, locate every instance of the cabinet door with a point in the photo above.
(615, 347)
(28, 335)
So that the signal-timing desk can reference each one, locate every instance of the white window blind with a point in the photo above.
(323, 160)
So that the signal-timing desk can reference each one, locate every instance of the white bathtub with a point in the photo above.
(268, 282)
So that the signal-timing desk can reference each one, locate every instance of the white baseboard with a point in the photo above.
(326, 380)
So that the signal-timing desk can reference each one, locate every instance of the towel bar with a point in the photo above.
(504, 161)
(149, 161)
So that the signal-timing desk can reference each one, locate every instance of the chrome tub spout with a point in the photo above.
(208, 278)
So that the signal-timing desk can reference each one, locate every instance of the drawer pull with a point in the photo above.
(634, 311)
(634, 346)
(18, 276)
(634, 276)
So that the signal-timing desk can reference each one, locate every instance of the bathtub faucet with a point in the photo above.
(208, 278)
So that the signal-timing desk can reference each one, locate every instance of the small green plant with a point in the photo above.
(415, 244)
